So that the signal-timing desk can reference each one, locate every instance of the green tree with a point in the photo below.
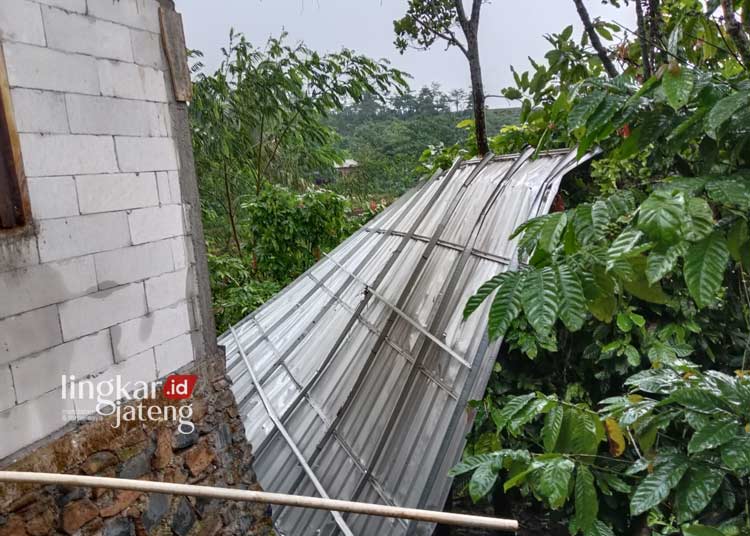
(260, 118)
(630, 321)
(426, 21)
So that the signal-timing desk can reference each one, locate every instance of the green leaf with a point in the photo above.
(624, 323)
(599, 528)
(583, 110)
(641, 289)
(582, 224)
(634, 357)
(701, 219)
(678, 85)
(695, 491)
(661, 215)
(723, 111)
(655, 488)
(572, 301)
(732, 192)
(673, 44)
(600, 121)
(701, 530)
(551, 231)
(705, 264)
(599, 291)
(689, 185)
(516, 479)
(588, 433)
(586, 500)
(696, 399)
(502, 416)
(637, 319)
(738, 242)
(620, 203)
(525, 416)
(736, 455)
(660, 263)
(482, 481)
(580, 432)
(506, 305)
(531, 227)
(600, 218)
(623, 245)
(540, 299)
(714, 434)
(481, 294)
(551, 429)
(472, 462)
(552, 481)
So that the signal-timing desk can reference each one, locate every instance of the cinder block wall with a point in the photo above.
(103, 282)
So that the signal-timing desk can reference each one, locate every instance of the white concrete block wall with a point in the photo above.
(103, 284)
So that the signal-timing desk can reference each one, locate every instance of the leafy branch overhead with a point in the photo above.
(590, 259)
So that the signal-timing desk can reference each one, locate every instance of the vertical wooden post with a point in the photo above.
(173, 39)
(15, 209)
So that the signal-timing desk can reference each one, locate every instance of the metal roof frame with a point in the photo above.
(365, 360)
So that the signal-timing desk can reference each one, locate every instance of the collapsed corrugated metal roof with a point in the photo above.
(365, 361)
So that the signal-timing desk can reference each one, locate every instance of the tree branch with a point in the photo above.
(279, 139)
(476, 7)
(594, 38)
(448, 35)
(736, 32)
(461, 13)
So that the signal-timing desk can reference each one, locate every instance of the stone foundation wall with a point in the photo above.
(215, 454)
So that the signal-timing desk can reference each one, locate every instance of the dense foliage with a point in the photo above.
(622, 398)
(261, 138)
(388, 138)
(289, 231)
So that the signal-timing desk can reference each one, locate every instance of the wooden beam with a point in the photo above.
(231, 494)
(173, 39)
(15, 208)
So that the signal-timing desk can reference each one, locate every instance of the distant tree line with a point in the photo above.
(387, 136)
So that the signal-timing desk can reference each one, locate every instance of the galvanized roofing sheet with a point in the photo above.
(366, 360)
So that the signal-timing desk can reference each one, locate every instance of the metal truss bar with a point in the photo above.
(288, 438)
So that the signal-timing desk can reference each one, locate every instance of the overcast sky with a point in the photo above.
(510, 31)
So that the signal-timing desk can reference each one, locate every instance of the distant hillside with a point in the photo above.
(387, 139)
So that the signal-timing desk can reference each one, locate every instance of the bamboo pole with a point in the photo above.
(263, 497)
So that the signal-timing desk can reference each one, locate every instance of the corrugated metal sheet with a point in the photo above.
(347, 354)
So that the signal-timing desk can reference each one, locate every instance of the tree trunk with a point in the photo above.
(645, 49)
(654, 14)
(477, 94)
(736, 31)
(594, 38)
